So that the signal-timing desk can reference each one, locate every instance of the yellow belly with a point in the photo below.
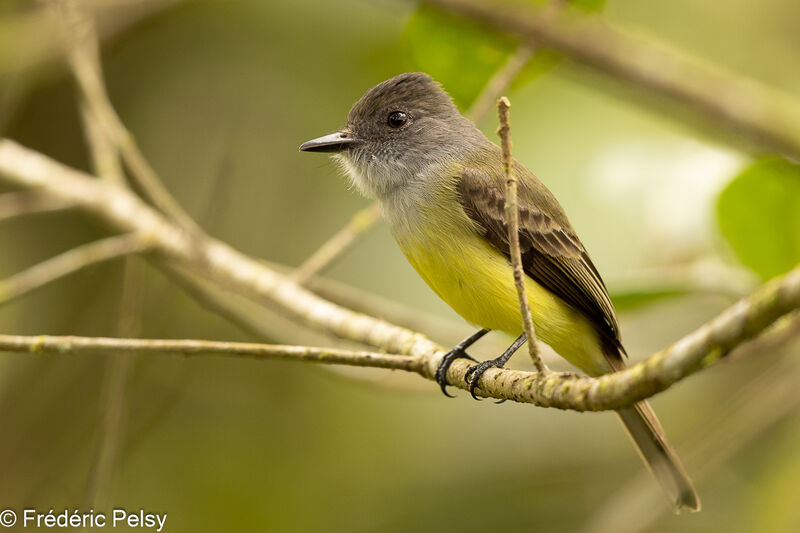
(477, 282)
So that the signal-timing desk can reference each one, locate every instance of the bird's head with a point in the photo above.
(395, 132)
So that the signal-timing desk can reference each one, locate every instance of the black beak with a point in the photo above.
(335, 142)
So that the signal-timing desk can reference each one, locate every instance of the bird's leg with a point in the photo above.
(458, 351)
(474, 374)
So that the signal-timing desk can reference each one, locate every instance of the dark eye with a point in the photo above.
(397, 119)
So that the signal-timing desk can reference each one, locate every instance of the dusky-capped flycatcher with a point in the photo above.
(441, 188)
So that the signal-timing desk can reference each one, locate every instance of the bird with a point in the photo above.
(440, 185)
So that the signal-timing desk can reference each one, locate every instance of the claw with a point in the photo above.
(444, 366)
(459, 351)
(474, 374)
(441, 376)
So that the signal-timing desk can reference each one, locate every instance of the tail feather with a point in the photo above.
(658, 454)
(642, 425)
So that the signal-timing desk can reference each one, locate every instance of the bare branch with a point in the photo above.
(50, 344)
(500, 81)
(768, 119)
(84, 59)
(512, 219)
(338, 244)
(69, 262)
(216, 261)
(105, 160)
(83, 53)
(14, 204)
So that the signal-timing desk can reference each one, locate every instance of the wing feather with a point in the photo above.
(551, 252)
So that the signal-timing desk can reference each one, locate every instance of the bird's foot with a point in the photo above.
(474, 374)
(458, 352)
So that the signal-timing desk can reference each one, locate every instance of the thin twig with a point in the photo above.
(766, 118)
(103, 152)
(14, 204)
(71, 261)
(512, 220)
(505, 76)
(51, 344)
(147, 179)
(83, 53)
(500, 81)
(113, 397)
(338, 244)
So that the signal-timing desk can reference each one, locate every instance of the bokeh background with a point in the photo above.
(219, 94)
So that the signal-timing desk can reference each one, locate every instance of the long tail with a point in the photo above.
(642, 425)
(658, 454)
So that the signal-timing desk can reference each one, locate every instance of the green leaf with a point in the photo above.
(463, 55)
(759, 215)
(629, 300)
(459, 54)
(589, 6)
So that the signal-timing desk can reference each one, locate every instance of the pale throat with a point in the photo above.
(371, 176)
(405, 195)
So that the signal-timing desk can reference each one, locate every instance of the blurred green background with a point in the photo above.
(219, 95)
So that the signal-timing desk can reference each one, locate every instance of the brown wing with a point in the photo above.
(551, 252)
